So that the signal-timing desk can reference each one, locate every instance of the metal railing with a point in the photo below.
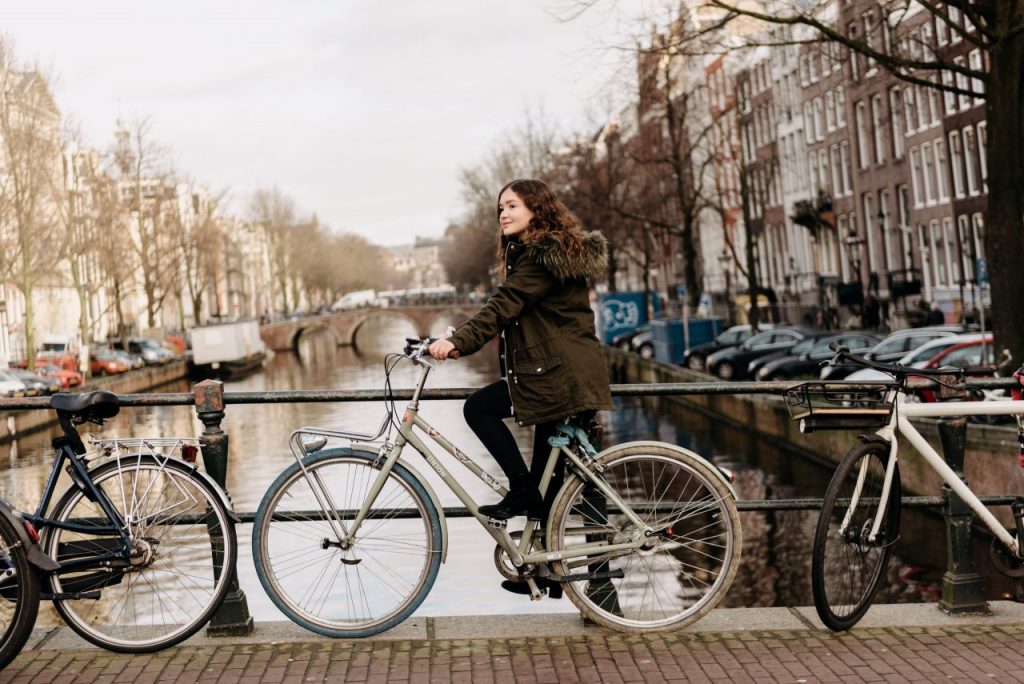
(962, 587)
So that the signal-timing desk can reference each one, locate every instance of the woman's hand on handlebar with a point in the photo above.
(443, 350)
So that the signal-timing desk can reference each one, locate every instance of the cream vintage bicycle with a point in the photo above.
(348, 541)
(859, 521)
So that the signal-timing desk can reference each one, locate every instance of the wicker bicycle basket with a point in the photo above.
(836, 406)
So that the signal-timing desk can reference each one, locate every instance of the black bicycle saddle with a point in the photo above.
(98, 404)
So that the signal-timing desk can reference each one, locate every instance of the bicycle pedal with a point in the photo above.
(497, 523)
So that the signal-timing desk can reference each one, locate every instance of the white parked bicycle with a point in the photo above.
(860, 516)
(348, 541)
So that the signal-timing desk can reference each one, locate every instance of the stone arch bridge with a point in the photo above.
(284, 335)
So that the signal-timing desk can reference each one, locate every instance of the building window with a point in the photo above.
(915, 176)
(844, 153)
(938, 258)
(970, 161)
(942, 182)
(956, 163)
(964, 231)
(830, 111)
(950, 250)
(840, 107)
(808, 123)
(979, 235)
(894, 122)
(974, 59)
(878, 128)
(941, 31)
(854, 55)
(963, 84)
(837, 179)
(983, 153)
(803, 71)
(819, 120)
(860, 121)
(926, 172)
(948, 97)
(909, 110)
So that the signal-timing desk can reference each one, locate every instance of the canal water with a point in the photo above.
(776, 553)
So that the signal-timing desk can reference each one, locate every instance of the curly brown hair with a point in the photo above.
(550, 216)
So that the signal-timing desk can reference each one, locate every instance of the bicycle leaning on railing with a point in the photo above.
(136, 554)
(348, 541)
(860, 517)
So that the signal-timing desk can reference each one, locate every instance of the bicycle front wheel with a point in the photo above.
(847, 564)
(19, 593)
(685, 565)
(174, 576)
(359, 586)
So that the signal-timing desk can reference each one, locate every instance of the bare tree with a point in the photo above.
(31, 167)
(200, 242)
(275, 211)
(148, 194)
(996, 29)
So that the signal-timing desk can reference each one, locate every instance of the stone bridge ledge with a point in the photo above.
(284, 335)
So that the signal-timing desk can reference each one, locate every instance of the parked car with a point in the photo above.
(892, 348)
(643, 343)
(133, 361)
(916, 358)
(805, 358)
(35, 385)
(975, 357)
(66, 378)
(731, 363)
(105, 362)
(622, 340)
(10, 386)
(695, 356)
(150, 351)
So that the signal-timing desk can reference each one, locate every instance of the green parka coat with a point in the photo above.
(550, 355)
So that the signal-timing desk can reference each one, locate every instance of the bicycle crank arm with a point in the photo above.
(580, 576)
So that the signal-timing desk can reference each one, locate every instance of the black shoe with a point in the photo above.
(554, 588)
(516, 502)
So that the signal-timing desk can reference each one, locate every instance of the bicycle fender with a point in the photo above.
(224, 497)
(674, 447)
(874, 438)
(372, 450)
(33, 551)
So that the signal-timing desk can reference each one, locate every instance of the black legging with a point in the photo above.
(485, 411)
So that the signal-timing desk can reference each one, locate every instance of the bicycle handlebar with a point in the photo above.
(897, 370)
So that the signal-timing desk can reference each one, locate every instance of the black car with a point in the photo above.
(731, 363)
(694, 357)
(806, 357)
(622, 340)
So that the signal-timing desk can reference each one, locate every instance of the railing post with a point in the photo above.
(962, 588)
(232, 618)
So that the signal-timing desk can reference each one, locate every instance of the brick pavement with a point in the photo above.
(982, 653)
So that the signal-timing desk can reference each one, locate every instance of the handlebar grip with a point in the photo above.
(838, 348)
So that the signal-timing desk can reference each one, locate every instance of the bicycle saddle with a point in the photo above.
(98, 404)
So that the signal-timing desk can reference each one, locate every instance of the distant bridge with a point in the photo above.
(284, 335)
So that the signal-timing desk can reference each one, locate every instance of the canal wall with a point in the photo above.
(17, 423)
(991, 464)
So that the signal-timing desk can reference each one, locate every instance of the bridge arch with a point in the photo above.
(311, 326)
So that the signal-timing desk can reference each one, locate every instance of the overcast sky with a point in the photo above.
(362, 111)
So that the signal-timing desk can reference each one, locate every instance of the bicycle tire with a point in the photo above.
(846, 571)
(19, 597)
(387, 571)
(688, 570)
(186, 568)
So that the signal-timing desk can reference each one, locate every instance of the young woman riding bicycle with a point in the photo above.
(551, 361)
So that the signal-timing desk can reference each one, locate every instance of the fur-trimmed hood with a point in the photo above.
(590, 264)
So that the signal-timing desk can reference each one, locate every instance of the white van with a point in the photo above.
(356, 300)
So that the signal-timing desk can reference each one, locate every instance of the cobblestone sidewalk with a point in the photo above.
(981, 653)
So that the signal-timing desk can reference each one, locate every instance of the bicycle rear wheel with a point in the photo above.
(682, 571)
(19, 593)
(182, 558)
(847, 566)
(364, 586)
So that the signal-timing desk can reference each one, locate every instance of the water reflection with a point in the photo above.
(775, 569)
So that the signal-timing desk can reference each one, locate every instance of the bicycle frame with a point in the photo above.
(80, 475)
(900, 423)
(390, 453)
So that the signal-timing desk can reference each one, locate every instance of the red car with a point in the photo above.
(67, 378)
(969, 357)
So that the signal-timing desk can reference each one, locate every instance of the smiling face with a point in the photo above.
(513, 214)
